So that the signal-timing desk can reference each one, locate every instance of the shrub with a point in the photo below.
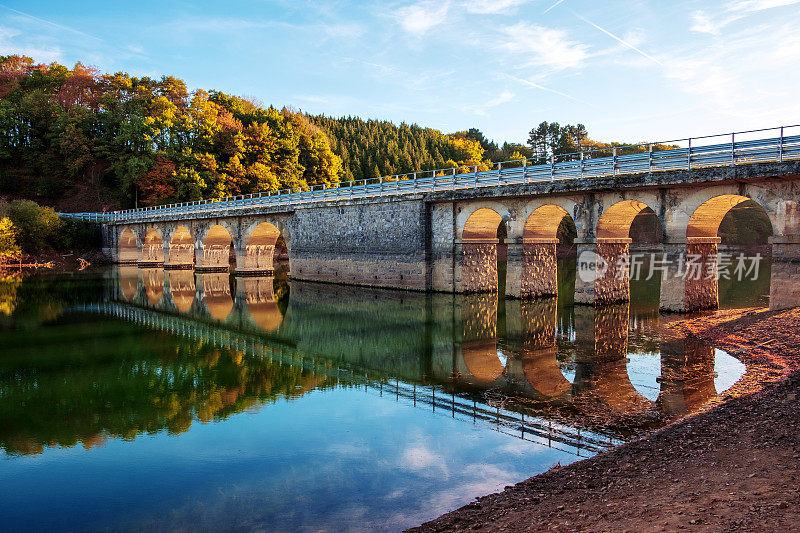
(36, 226)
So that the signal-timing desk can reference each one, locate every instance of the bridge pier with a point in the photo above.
(784, 287)
(602, 271)
(539, 272)
(479, 265)
(515, 267)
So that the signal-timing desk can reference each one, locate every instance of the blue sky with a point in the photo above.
(634, 70)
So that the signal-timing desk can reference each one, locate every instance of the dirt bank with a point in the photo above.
(733, 466)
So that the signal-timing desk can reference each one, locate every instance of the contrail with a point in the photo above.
(43, 21)
(629, 45)
(543, 88)
(551, 7)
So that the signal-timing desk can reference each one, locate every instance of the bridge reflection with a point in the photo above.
(523, 365)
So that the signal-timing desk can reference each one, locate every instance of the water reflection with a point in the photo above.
(259, 293)
(211, 399)
(215, 294)
(542, 359)
(181, 288)
(539, 351)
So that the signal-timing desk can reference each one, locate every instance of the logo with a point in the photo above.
(591, 266)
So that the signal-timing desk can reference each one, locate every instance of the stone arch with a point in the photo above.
(181, 248)
(153, 247)
(539, 242)
(706, 219)
(217, 243)
(543, 222)
(613, 231)
(479, 246)
(128, 246)
(182, 289)
(260, 249)
(615, 222)
(701, 288)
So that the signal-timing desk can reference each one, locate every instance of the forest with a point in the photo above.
(77, 139)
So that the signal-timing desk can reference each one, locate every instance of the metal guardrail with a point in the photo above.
(575, 166)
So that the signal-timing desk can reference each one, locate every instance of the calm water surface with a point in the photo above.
(137, 398)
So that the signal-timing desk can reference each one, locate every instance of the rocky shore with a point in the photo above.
(734, 466)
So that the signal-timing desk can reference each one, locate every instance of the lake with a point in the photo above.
(138, 399)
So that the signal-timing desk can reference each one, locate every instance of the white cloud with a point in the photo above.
(493, 7)
(421, 17)
(500, 99)
(544, 46)
(739, 74)
(702, 23)
(10, 45)
(760, 5)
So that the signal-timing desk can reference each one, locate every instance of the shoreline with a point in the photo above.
(734, 465)
(52, 260)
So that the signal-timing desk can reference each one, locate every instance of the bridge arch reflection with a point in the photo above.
(565, 359)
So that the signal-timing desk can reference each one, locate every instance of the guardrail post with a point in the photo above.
(499, 168)
(581, 165)
(614, 161)
(689, 156)
(365, 188)
(415, 183)
(649, 158)
(780, 148)
(475, 186)
(454, 179)
(552, 167)
(380, 192)
(525, 170)
(733, 149)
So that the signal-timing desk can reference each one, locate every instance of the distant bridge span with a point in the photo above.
(438, 230)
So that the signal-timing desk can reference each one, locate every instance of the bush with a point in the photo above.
(36, 226)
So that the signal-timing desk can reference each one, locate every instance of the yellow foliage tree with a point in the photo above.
(8, 240)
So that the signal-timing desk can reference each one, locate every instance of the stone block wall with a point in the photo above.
(375, 244)
(539, 269)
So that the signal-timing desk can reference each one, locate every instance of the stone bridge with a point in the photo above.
(443, 233)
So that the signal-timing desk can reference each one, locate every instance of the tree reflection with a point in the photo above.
(154, 383)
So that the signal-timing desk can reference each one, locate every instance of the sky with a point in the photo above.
(633, 70)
